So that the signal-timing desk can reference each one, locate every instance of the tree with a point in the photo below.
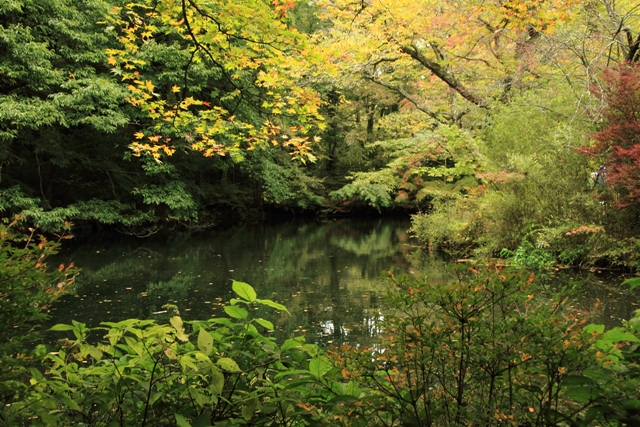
(234, 82)
(444, 57)
(617, 143)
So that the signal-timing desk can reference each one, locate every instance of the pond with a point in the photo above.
(330, 275)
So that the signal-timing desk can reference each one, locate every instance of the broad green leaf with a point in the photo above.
(61, 327)
(598, 329)
(633, 283)
(134, 345)
(343, 398)
(224, 321)
(203, 420)
(217, 381)
(187, 362)
(273, 304)
(265, 324)
(292, 343)
(249, 408)
(228, 364)
(201, 357)
(236, 312)
(95, 353)
(580, 394)
(205, 341)
(154, 398)
(181, 421)
(72, 404)
(617, 335)
(292, 373)
(594, 412)
(244, 290)
(318, 366)
(597, 374)
(571, 380)
(176, 322)
(202, 399)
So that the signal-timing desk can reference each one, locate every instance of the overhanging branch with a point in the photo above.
(443, 74)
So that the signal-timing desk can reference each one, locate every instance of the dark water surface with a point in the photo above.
(330, 275)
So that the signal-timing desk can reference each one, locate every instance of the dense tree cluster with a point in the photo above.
(507, 128)
(155, 114)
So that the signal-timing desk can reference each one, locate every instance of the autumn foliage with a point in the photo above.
(618, 142)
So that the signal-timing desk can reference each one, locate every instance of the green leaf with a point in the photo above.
(592, 413)
(95, 353)
(205, 341)
(633, 283)
(244, 291)
(292, 343)
(570, 380)
(224, 321)
(272, 304)
(318, 367)
(599, 329)
(580, 394)
(176, 322)
(249, 408)
(228, 364)
(616, 335)
(236, 312)
(61, 327)
(181, 421)
(203, 420)
(343, 398)
(265, 324)
(217, 381)
(72, 404)
(596, 374)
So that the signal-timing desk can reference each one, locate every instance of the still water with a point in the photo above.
(330, 275)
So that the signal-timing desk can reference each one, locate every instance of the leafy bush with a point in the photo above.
(220, 372)
(481, 350)
(433, 164)
(488, 348)
(27, 287)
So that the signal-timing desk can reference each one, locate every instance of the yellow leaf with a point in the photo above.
(138, 135)
(175, 89)
(149, 86)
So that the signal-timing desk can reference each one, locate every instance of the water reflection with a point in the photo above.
(329, 275)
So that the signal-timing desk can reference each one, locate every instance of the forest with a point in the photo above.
(507, 129)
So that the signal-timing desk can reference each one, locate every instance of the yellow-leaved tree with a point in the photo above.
(216, 77)
(445, 57)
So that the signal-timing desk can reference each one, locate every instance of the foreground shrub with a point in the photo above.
(487, 349)
(27, 287)
(220, 372)
(490, 348)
